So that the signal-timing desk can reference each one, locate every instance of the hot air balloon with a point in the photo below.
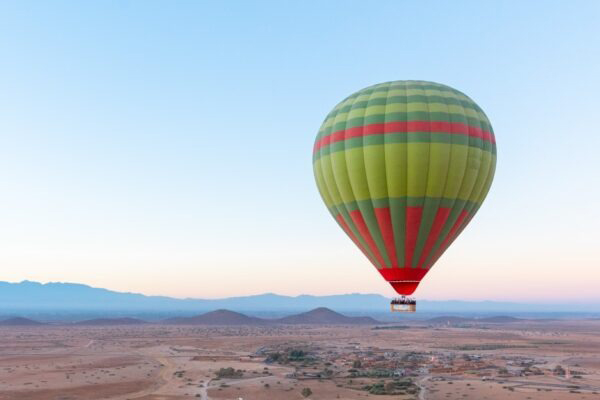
(403, 167)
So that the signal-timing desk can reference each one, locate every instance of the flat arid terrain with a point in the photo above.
(441, 359)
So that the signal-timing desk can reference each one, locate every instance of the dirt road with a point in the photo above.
(423, 389)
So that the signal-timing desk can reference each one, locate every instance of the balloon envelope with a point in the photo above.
(403, 167)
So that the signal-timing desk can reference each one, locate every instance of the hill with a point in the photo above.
(218, 317)
(20, 321)
(110, 321)
(325, 316)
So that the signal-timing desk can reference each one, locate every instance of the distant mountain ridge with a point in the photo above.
(15, 298)
(29, 295)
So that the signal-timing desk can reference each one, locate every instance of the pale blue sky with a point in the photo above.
(165, 147)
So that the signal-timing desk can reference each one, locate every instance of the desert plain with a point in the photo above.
(528, 359)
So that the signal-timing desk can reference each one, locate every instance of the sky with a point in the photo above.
(165, 147)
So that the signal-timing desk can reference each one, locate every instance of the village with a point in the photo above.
(372, 368)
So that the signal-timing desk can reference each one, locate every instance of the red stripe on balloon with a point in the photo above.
(450, 236)
(366, 235)
(413, 222)
(348, 231)
(384, 219)
(454, 128)
(438, 223)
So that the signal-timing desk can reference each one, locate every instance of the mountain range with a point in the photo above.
(57, 296)
(25, 298)
(318, 316)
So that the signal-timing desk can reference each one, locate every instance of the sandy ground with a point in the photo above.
(170, 362)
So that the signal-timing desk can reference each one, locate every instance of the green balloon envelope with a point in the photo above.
(403, 167)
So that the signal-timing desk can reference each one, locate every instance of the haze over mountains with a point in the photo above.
(27, 296)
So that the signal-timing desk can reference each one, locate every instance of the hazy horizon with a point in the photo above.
(165, 148)
(257, 294)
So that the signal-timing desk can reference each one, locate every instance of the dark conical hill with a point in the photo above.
(325, 316)
(218, 317)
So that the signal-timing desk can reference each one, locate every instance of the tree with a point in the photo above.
(559, 370)
(390, 387)
(229, 373)
(306, 392)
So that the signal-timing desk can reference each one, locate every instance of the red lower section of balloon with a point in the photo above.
(405, 288)
(403, 280)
